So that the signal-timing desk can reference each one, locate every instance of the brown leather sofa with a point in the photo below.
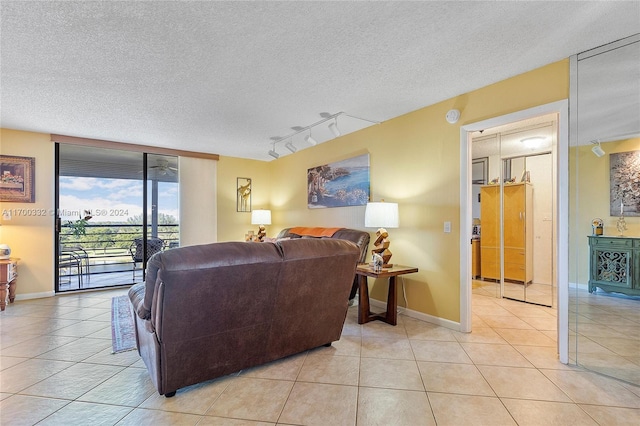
(360, 238)
(210, 310)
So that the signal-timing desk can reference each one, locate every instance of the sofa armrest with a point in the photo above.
(136, 296)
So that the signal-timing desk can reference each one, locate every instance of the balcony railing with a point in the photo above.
(106, 249)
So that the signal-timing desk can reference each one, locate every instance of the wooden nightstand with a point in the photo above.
(8, 280)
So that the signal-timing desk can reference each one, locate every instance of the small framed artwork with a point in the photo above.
(17, 179)
(243, 202)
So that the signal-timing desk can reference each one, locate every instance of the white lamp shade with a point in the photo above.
(381, 215)
(261, 217)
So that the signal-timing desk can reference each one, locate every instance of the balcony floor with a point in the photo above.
(99, 280)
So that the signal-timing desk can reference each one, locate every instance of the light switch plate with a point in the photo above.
(447, 227)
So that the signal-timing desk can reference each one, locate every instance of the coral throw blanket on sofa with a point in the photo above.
(314, 232)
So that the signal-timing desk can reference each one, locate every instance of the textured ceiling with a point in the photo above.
(226, 77)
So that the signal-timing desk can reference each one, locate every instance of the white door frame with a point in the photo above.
(561, 227)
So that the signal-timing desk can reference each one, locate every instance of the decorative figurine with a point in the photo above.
(261, 233)
(597, 226)
(382, 247)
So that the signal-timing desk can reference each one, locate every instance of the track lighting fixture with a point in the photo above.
(273, 153)
(289, 145)
(597, 149)
(334, 128)
(309, 139)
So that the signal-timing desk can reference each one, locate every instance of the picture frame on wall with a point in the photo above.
(624, 183)
(17, 179)
(243, 194)
(341, 184)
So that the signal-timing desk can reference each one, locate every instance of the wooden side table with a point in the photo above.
(364, 271)
(8, 280)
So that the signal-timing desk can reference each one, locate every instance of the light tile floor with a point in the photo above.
(56, 368)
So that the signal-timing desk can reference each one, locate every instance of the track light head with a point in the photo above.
(273, 153)
(290, 146)
(311, 141)
(597, 149)
(334, 128)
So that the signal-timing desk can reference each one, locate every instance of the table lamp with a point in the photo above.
(381, 215)
(261, 218)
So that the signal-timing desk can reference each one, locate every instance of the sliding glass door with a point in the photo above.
(109, 202)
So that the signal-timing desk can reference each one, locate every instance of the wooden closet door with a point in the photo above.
(514, 216)
(490, 231)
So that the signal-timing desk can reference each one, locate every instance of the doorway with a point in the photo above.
(513, 213)
(108, 203)
(559, 210)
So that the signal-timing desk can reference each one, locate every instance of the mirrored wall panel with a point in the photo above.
(604, 244)
(514, 211)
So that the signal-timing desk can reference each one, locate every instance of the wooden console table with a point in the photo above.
(8, 280)
(364, 271)
(615, 264)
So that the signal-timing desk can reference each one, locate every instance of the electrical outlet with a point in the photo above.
(447, 227)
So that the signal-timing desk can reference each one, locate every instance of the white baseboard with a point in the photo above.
(579, 286)
(420, 316)
(28, 296)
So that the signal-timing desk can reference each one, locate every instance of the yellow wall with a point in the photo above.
(590, 199)
(31, 237)
(233, 225)
(415, 162)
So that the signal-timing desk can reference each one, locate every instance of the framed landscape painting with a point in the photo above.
(17, 179)
(340, 184)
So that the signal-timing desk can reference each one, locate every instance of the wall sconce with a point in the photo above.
(381, 215)
(261, 218)
(597, 149)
